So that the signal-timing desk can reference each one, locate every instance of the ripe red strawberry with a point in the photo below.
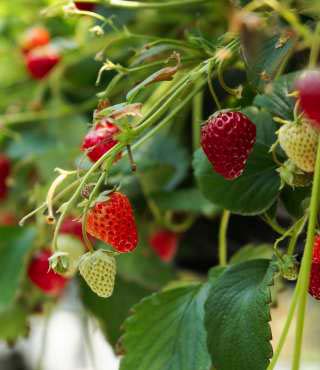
(165, 244)
(41, 61)
(308, 86)
(5, 169)
(227, 140)
(314, 284)
(99, 140)
(35, 37)
(316, 250)
(112, 221)
(85, 6)
(44, 278)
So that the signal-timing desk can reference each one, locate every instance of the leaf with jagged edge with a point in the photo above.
(166, 332)
(15, 245)
(237, 315)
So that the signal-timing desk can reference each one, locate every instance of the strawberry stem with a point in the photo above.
(304, 275)
(315, 47)
(223, 238)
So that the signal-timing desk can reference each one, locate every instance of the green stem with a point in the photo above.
(298, 228)
(152, 5)
(211, 88)
(286, 328)
(90, 200)
(223, 238)
(197, 118)
(25, 117)
(85, 212)
(112, 152)
(273, 224)
(43, 206)
(306, 263)
(314, 53)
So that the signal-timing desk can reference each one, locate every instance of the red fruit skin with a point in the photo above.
(112, 221)
(7, 219)
(308, 86)
(46, 280)
(165, 244)
(314, 284)
(41, 64)
(35, 37)
(227, 140)
(72, 226)
(99, 140)
(85, 6)
(316, 250)
(5, 169)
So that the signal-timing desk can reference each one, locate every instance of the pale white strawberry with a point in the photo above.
(99, 270)
(300, 142)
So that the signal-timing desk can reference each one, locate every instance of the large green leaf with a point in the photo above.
(112, 312)
(237, 317)
(166, 332)
(13, 323)
(264, 55)
(296, 201)
(276, 100)
(251, 252)
(184, 200)
(252, 193)
(15, 244)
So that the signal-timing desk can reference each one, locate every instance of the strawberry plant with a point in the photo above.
(162, 157)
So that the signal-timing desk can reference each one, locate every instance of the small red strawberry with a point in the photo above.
(35, 37)
(5, 169)
(165, 244)
(88, 6)
(308, 86)
(227, 140)
(314, 284)
(44, 278)
(8, 219)
(41, 61)
(99, 140)
(112, 221)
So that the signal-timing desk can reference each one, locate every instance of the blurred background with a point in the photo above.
(46, 109)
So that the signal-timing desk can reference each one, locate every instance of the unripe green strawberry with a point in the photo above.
(289, 268)
(300, 141)
(69, 251)
(291, 175)
(99, 270)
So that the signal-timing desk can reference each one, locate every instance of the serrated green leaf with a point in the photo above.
(296, 201)
(266, 127)
(112, 312)
(264, 55)
(15, 244)
(237, 316)
(252, 193)
(276, 100)
(13, 323)
(166, 332)
(251, 252)
(184, 200)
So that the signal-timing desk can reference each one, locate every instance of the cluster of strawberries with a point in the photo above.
(111, 221)
(39, 54)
